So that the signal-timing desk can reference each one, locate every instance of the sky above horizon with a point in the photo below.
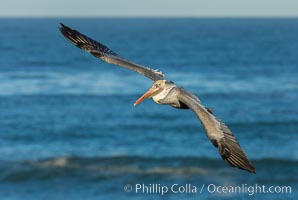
(152, 8)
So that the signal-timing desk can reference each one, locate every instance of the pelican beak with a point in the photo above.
(150, 93)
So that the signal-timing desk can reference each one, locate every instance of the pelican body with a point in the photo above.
(165, 92)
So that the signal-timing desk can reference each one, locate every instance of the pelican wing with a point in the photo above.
(104, 53)
(219, 134)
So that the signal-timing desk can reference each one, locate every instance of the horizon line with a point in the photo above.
(150, 17)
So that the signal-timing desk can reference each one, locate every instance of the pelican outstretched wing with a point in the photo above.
(104, 53)
(219, 134)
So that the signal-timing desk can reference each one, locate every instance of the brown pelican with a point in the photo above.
(166, 92)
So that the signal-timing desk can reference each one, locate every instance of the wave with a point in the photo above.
(103, 168)
(100, 82)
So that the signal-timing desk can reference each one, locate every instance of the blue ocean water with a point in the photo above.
(69, 130)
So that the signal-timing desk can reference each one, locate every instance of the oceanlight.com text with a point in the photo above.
(155, 188)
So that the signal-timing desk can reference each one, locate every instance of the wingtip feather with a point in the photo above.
(231, 151)
(235, 156)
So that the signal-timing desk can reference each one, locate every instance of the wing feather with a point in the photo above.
(104, 53)
(219, 134)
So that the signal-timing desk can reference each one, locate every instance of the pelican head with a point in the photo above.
(157, 87)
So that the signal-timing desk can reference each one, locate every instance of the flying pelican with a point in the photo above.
(165, 92)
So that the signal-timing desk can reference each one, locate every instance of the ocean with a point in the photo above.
(69, 130)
